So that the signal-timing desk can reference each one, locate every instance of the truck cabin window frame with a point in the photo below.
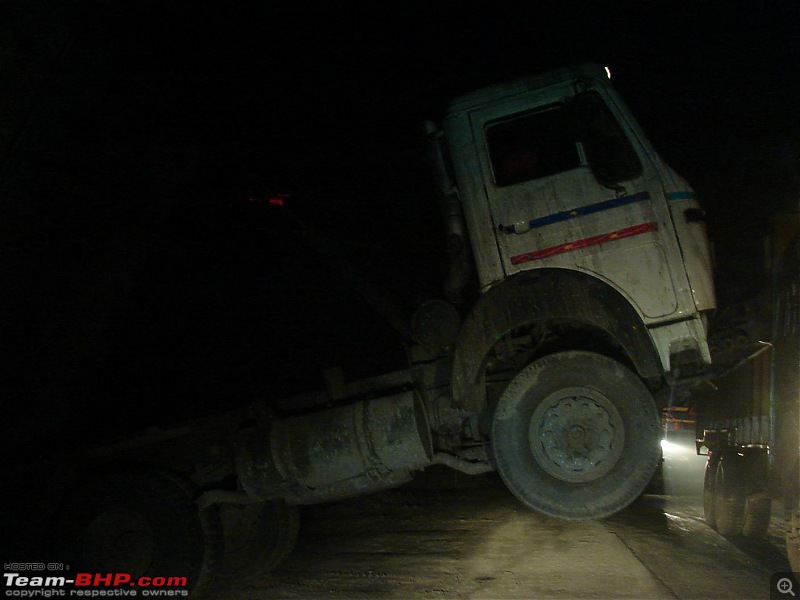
(531, 145)
(545, 142)
(609, 152)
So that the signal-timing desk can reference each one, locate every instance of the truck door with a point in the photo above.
(550, 209)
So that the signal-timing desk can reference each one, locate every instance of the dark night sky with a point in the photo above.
(133, 133)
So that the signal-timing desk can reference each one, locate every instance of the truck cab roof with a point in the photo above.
(525, 85)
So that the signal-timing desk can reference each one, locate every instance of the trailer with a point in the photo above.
(749, 425)
(589, 259)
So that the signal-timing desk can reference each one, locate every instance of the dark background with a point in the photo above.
(140, 284)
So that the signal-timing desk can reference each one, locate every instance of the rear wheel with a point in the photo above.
(709, 487)
(142, 522)
(757, 505)
(576, 436)
(793, 539)
(757, 513)
(257, 537)
(729, 494)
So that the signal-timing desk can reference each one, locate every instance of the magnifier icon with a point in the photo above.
(784, 586)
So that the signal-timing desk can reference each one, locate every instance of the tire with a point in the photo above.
(576, 435)
(792, 531)
(656, 486)
(709, 490)
(757, 506)
(256, 537)
(141, 522)
(729, 494)
(757, 514)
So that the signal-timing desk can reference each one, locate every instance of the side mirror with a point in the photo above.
(437, 157)
(609, 152)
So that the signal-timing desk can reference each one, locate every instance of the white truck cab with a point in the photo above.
(554, 173)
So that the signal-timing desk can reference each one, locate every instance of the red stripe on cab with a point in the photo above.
(583, 243)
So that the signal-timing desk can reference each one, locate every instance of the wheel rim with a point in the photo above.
(576, 434)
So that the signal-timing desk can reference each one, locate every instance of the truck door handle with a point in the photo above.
(506, 229)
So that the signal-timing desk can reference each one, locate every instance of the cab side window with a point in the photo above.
(531, 146)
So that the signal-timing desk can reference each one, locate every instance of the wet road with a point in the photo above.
(452, 536)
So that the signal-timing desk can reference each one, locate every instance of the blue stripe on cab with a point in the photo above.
(675, 196)
(566, 215)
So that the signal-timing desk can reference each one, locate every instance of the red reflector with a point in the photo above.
(276, 201)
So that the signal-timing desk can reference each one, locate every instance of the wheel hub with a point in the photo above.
(576, 434)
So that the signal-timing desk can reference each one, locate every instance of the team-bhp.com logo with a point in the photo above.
(39, 580)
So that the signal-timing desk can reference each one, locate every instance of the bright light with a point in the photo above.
(672, 448)
(608, 72)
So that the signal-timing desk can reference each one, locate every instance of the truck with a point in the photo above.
(748, 426)
(591, 271)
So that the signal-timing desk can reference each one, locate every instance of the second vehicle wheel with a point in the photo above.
(757, 513)
(256, 537)
(709, 490)
(576, 436)
(729, 494)
(793, 539)
(757, 505)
